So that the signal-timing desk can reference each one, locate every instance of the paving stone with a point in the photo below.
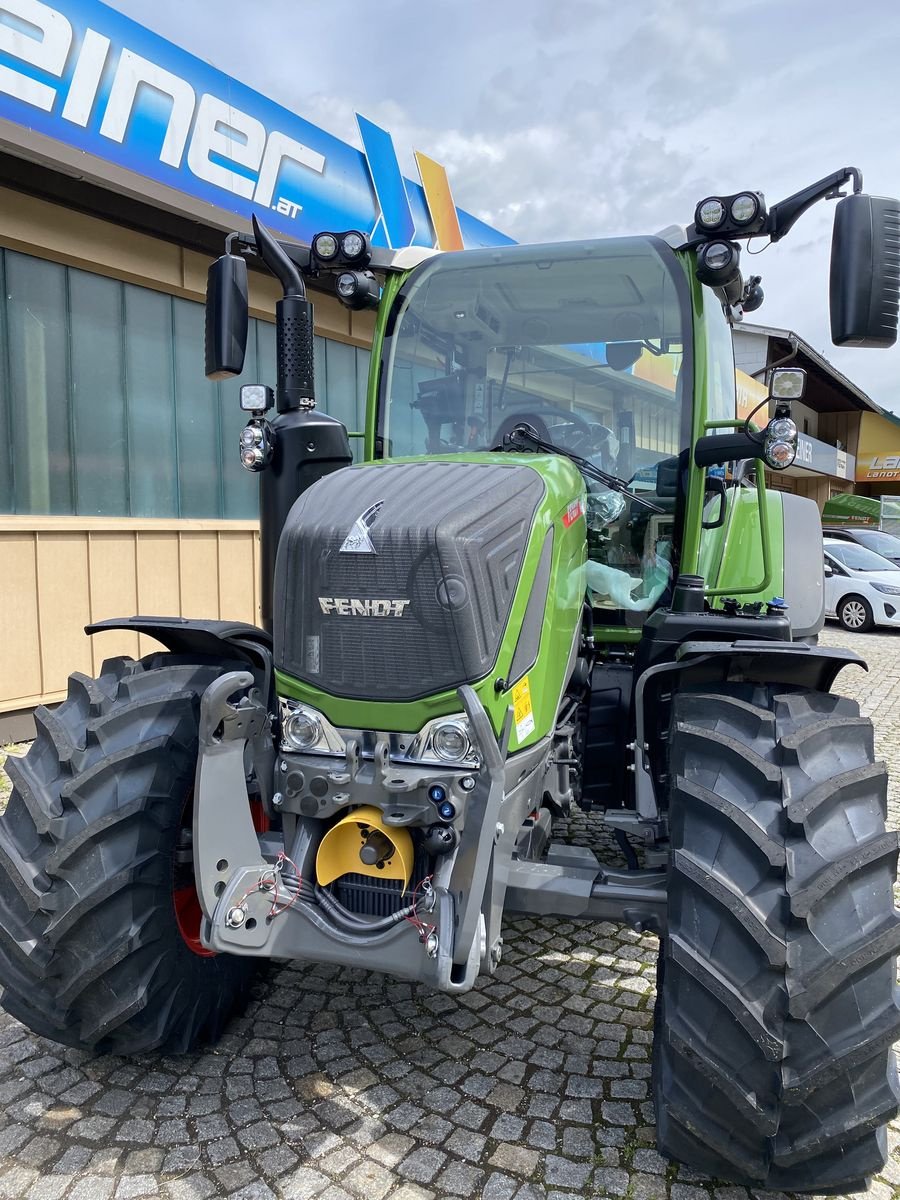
(422, 1165)
(51, 1187)
(303, 1184)
(517, 1159)
(131, 1186)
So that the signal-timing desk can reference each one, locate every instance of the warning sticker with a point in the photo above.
(523, 714)
(572, 513)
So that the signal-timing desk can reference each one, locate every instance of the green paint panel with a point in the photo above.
(731, 558)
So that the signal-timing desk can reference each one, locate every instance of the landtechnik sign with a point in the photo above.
(96, 81)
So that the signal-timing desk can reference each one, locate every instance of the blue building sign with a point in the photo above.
(85, 75)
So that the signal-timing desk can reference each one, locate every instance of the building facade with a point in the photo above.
(123, 163)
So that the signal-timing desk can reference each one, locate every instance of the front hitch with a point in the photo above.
(225, 839)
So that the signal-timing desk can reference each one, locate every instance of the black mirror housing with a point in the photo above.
(715, 450)
(226, 317)
(865, 271)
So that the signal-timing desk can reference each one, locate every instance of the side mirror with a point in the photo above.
(865, 283)
(829, 571)
(226, 317)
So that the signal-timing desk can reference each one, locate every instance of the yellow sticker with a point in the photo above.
(523, 714)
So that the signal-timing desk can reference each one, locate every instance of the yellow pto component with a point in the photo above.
(361, 844)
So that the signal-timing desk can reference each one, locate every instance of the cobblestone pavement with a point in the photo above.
(340, 1084)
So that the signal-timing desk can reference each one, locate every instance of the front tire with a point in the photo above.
(855, 614)
(97, 948)
(776, 1010)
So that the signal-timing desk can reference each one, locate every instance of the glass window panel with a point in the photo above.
(341, 376)
(265, 350)
(197, 418)
(39, 380)
(6, 465)
(320, 369)
(98, 401)
(152, 459)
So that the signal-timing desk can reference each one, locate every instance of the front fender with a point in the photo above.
(214, 639)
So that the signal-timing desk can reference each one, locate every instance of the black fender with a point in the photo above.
(799, 663)
(217, 639)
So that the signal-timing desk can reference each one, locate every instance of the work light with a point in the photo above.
(718, 263)
(325, 246)
(788, 383)
(358, 289)
(744, 208)
(354, 246)
(710, 213)
(256, 397)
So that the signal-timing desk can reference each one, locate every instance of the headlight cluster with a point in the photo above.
(780, 445)
(887, 589)
(256, 446)
(443, 742)
(447, 741)
(743, 213)
(351, 248)
(305, 731)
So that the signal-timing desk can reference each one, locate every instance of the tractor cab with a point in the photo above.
(588, 346)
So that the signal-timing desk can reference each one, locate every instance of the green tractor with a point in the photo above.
(555, 581)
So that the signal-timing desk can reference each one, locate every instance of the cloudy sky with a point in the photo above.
(585, 118)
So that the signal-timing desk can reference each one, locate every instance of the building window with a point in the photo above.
(104, 408)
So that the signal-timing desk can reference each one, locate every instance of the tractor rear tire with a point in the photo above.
(776, 1011)
(99, 921)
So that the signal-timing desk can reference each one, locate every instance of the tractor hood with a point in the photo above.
(396, 581)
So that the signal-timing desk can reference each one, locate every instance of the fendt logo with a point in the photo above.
(91, 78)
(344, 607)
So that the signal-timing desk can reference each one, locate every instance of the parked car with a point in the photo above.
(862, 588)
(885, 544)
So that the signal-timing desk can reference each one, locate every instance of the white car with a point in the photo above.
(862, 589)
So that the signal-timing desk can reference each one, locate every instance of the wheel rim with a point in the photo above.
(854, 614)
(188, 911)
(189, 917)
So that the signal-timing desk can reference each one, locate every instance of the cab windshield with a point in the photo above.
(587, 342)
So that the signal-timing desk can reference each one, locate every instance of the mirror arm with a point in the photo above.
(783, 214)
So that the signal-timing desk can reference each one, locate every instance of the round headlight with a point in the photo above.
(450, 741)
(302, 730)
(744, 208)
(346, 285)
(780, 454)
(718, 255)
(353, 245)
(782, 429)
(710, 213)
(253, 458)
(325, 246)
(252, 435)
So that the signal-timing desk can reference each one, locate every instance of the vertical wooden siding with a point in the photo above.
(58, 574)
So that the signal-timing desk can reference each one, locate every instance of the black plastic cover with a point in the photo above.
(865, 271)
(424, 610)
(226, 317)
